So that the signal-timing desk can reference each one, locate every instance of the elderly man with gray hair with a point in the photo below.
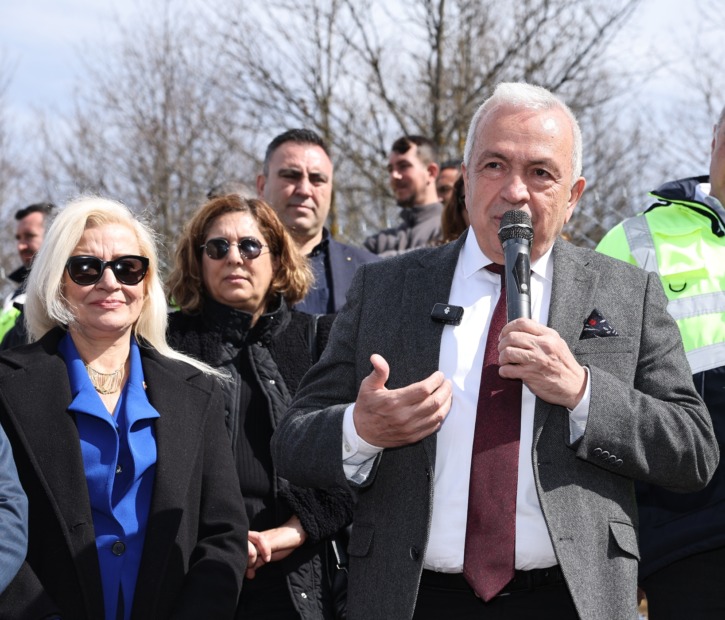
(493, 462)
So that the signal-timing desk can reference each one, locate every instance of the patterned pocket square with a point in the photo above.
(596, 326)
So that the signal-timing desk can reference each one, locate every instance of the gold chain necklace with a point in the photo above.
(106, 383)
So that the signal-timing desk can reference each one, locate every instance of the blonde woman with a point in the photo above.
(120, 442)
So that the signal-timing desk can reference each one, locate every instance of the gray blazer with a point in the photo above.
(646, 422)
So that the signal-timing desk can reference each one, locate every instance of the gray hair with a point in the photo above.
(525, 96)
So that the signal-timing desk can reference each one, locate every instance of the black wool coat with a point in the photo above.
(195, 549)
(281, 346)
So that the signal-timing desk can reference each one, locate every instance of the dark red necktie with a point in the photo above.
(488, 563)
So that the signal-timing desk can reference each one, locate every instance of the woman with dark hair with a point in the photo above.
(454, 219)
(120, 445)
(236, 275)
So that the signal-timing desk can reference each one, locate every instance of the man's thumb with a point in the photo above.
(381, 371)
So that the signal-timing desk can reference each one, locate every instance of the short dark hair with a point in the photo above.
(451, 164)
(230, 187)
(427, 152)
(298, 136)
(46, 208)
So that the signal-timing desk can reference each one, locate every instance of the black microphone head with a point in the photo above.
(515, 224)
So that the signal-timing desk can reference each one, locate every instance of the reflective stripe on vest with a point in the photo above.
(642, 248)
(687, 307)
(641, 243)
(706, 358)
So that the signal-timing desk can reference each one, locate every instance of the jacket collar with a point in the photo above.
(19, 275)
(684, 192)
(235, 327)
(420, 213)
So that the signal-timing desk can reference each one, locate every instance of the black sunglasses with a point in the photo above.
(87, 270)
(249, 247)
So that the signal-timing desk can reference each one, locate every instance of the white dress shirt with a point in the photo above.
(476, 290)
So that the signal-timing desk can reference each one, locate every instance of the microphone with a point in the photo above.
(516, 235)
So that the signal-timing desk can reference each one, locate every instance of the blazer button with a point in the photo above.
(605, 454)
(118, 548)
(414, 554)
(612, 459)
(597, 451)
(618, 463)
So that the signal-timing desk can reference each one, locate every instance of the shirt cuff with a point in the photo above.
(580, 414)
(358, 456)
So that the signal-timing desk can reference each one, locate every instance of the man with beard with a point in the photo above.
(413, 172)
(296, 181)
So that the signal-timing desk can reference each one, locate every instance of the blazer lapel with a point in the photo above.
(342, 272)
(572, 294)
(178, 433)
(37, 396)
(425, 286)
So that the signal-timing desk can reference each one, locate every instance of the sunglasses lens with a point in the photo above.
(250, 248)
(88, 270)
(216, 249)
(85, 270)
(129, 270)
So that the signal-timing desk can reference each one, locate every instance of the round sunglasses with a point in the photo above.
(249, 247)
(87, 270)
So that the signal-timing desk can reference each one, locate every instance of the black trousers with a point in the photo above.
(442, 597)
(691, 588)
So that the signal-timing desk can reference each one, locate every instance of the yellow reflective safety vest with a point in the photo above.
(682, 238)
(7, 320)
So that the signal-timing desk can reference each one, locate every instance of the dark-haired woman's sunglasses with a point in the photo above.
(87, 270)
(249, 247)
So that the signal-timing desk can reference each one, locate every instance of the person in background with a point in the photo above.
(412, 171)
(237, 274)
(231, 187)
(449, 172)
(681, 237)
(455, 216)
(119, 441)
(32, 223)
(296, 181)
(494, 462)
(13, 516)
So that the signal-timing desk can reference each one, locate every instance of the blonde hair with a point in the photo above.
(46, 307)
(185, 283)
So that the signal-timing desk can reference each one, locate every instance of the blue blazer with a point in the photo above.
(344, 261)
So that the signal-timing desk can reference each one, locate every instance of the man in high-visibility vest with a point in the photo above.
(682, 237)
(33, 221)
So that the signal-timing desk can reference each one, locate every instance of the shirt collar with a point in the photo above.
(85, 397)
(473, 259)
(322, 245)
